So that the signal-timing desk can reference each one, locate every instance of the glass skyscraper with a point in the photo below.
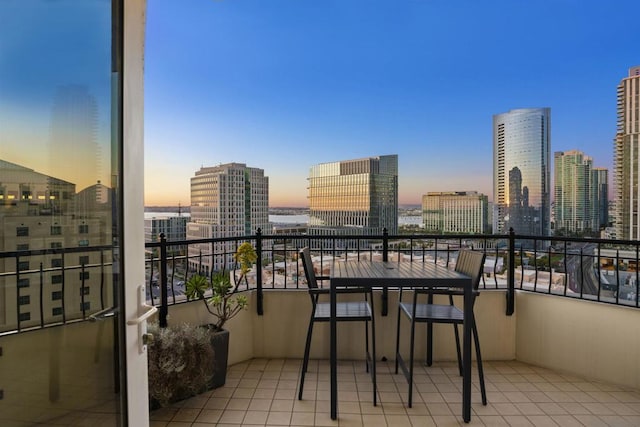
(354, 196)
(521, 183)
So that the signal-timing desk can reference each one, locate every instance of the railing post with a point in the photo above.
(385, 258)
(511, 276)
(164, 304)
(259, 304)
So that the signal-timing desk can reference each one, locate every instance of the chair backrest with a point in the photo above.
(471, 263)
(307, 264)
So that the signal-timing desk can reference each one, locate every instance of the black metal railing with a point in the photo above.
(54, 286)
(600, 270)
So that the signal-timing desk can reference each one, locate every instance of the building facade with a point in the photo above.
(42, 217)
(173, 227)
(581, 194)
(354, 196)
(229, 200)
(455, 212)
(600, 197)
(626, 158)
(521, 180)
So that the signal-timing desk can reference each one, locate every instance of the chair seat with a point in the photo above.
(439, 313)
(360, 310)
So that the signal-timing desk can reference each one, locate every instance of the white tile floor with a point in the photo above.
(263, 392)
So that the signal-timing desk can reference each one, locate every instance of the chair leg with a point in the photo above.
(458, 351)
(397, 338)
(305, 360)
(411, 357)
(429, 335)
(476, 340)
(373, 358)
(429, 359)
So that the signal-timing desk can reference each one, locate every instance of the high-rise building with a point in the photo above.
(521, 184)
(354, 196)
(580, 193)
(626, 160)
(74, 134)
(455, 212)
(229, 200)
(600, 197)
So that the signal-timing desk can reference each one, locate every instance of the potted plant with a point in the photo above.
(223, 304)
(179, 363)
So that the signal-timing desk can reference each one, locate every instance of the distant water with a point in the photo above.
(290, 219)
(304, 219)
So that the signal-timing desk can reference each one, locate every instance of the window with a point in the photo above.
(83, 228)
(57, 311)
(56, 295)
(84, 275)
(84, 259)
(22, 247)
(24, 300)
(86, 306)
(83, 242)
(84, 290)
(56, 279)
(22, 231)
(23, 283)
(56, 230)
(56, 263)
(23, 265)
(56, 245)
(24, 317)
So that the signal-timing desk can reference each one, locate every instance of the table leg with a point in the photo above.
(333, 353)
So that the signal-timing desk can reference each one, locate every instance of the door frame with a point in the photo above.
(134, 370)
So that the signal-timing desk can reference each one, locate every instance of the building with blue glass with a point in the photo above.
(521, 171)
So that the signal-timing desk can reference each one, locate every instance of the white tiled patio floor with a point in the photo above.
(263, 392)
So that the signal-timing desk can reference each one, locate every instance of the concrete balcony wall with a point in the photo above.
(593, 340)
(281, 331)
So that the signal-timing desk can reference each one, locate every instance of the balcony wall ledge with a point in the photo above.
(578, 337)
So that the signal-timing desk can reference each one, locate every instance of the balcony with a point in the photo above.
(559, 349)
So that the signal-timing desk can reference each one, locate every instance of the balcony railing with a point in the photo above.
(600, 270)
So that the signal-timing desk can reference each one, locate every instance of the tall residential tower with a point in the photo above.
(580, 193)
(354, 196)
(626, 159)
(521, 185)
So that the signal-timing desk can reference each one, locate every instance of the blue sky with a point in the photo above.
(285, 84)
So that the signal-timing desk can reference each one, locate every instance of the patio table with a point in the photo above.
(381, 274)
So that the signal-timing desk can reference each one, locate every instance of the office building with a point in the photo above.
(626, 160)
(229, 200)
(581, 193)
(455, 212)
(521, 180)
(354, 196)
(173, 227)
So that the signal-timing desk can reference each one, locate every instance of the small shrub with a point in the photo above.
(180, 362)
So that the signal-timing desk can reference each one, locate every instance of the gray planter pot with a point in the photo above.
(220, 344)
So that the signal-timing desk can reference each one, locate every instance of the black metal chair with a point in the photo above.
(351, 311)
(470, 263)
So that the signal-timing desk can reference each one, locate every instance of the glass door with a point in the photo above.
(66, 353)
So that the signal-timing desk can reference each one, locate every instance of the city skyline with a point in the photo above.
(284, 85)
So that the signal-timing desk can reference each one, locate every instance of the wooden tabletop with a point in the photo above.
(395, 274)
